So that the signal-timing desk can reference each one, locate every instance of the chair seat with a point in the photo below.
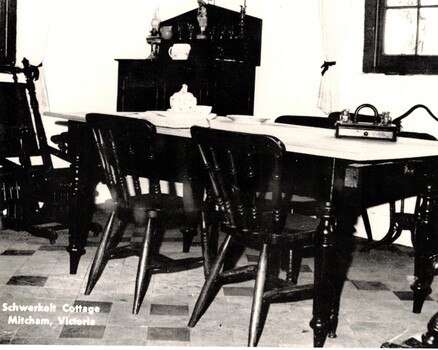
(157, 201)
(297, 224)
(297, 229)
(165, 205)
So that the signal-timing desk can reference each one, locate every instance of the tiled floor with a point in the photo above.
(375, 307)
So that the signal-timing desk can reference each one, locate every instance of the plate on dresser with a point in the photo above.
(250, 119)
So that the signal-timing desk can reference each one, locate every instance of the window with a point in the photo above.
(400, 37)
(8, 32)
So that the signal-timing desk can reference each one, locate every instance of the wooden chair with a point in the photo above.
(398, 220)
(126, 147)
(34, 198)
(327, 123)
(308, 205)
(238, 165)
(401, 220)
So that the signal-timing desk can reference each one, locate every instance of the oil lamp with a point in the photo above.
(154, 38)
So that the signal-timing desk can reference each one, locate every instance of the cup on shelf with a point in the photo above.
(179, 51)
(166, 32)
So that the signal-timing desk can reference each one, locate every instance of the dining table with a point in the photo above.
(345, 174)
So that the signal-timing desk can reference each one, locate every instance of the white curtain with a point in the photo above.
(33, 24)
(334, 18)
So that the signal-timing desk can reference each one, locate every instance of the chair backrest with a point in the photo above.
(328, 122)
(22, 132)
(16, 126)
(126, 147)
(317, 122)
(238, 166)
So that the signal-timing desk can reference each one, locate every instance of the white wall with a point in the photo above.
(87, 35)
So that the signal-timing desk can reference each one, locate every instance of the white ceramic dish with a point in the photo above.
(187, 114)
(201, 109)
(247, 118)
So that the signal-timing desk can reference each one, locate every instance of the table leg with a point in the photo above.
(346, 212)
(425, 246)
(430, 338)
(321, 321)
(191, 210)
(82, 191)
(343, 217)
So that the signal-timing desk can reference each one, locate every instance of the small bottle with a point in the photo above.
(155, 22)
(386, 119)
(345, 116)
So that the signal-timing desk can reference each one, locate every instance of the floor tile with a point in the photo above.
(369, 285)
(172, 239)
(18, 252)
(33, 341)
(34, 281)
(407, 295)
(104, 307)
(252, 258)
(95, 332)
(121, 332)
(404, 295)
(239, 291)
(52, 248)
(176, 310)
(169, 334)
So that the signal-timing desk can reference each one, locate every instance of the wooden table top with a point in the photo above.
(297, 139)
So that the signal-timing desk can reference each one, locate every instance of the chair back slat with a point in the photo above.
(16, 125)
(126, 149)
(103, 155)
(135, 178)
(115, 155)
(21, 126)
(236, 193)
(238, 166)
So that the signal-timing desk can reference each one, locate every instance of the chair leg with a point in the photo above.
(203, 299)
(390, 236)
(205, 244)
(189, 232)
(367, 225)
(100, 258)
(143, 272)
(255, 326)
(117, 237)
(399, 221)
(295, 259)
(95, 228)
(415, 215)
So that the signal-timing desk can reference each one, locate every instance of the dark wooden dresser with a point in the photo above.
(219, 72)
